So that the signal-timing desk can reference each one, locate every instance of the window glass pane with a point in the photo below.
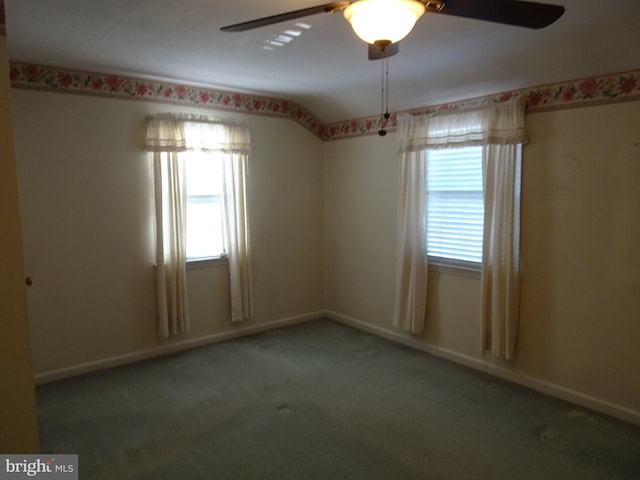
(204, 173)
(204, 222)
(455, 206)
(204, 205)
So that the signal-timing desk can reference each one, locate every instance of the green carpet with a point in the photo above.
(323, 401)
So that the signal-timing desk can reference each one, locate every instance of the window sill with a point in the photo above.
(460, 268)
(195, 263)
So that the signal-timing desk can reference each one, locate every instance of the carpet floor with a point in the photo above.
(321, 400)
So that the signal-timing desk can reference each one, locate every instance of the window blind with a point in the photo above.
(455, 205)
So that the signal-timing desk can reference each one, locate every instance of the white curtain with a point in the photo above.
(500, 284)
(500, 128)
(411, 258)
(237, 226)
(167, 135)
(165, 138)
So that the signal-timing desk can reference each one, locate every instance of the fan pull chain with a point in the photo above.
(386, 111)
(384, 97)
(382, 89)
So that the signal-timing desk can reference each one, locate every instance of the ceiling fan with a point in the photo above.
(382, 23)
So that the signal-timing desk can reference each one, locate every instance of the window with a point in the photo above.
(205, 156)
(455, 205)
(205, 237)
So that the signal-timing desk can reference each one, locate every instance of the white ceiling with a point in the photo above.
(326, 68)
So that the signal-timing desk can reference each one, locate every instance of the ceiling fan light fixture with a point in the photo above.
(383, 20)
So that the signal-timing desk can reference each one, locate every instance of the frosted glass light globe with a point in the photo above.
(383, 20)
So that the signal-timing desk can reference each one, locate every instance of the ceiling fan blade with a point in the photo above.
(510, 12)
(283, 17)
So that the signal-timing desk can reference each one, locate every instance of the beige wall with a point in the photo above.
(87, 218)
(580, 313)
(18, 421)
(580, 258)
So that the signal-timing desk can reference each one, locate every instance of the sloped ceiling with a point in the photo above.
(325, 69)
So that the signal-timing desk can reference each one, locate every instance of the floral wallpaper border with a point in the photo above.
(39, 77)
(610, 88)
(619, 87)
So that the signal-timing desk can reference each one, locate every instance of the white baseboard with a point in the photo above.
(169, 348)
(547, 388)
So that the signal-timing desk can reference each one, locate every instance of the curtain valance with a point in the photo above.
(171, 133)
(500, 124)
